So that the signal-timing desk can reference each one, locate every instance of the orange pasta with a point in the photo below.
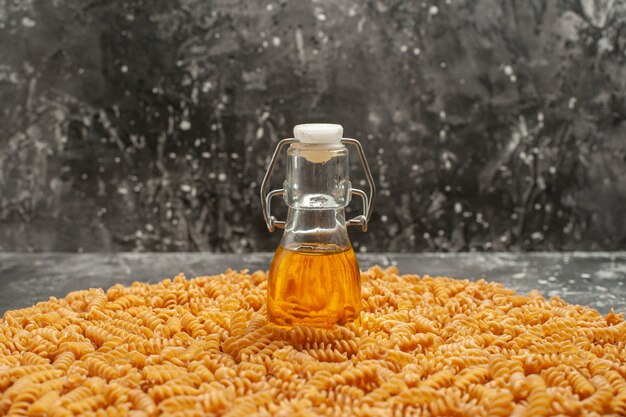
(423, 347)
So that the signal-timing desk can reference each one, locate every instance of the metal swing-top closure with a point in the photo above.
(318, 140)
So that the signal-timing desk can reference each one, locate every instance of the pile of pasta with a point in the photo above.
(202, 347)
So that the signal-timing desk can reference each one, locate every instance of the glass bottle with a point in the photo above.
(314, 277)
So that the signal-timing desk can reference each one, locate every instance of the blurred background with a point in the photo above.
(490, 125)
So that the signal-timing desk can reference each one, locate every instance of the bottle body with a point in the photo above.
(314, 279)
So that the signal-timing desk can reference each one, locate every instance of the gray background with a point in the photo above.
(147, 125)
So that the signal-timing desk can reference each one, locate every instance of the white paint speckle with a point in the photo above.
(604, 44)
(185, 125)
(221, 176)
(609, 274)
(124, 68)
(571, 103)
(537, 236)
(433, 10)
(27, 22)
(276, 41)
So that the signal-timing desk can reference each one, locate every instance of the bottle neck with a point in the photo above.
(321, 229)
(317, 177)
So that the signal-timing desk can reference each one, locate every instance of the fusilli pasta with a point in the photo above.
(423, 347)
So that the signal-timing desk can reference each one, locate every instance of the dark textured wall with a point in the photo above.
(147, 125)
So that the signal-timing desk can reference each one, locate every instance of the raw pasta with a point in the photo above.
(423, 347)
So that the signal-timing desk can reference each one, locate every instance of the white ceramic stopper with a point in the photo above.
(318, 133)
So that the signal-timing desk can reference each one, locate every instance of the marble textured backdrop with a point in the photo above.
(147, 126)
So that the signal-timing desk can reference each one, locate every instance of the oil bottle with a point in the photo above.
(314, 278)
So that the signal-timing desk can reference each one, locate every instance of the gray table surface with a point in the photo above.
(597, 279)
